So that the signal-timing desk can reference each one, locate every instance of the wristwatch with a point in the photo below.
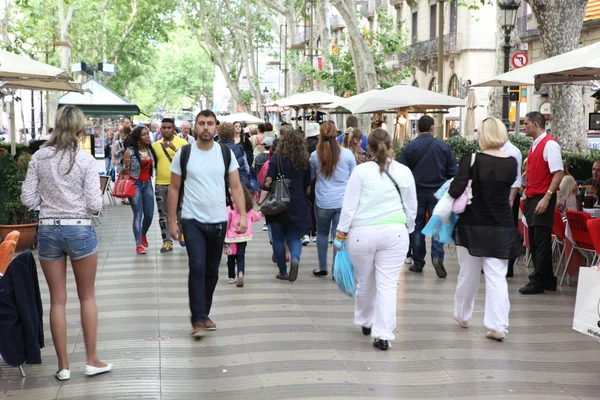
(550, 192)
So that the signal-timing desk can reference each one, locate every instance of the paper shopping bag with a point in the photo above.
(587, 304)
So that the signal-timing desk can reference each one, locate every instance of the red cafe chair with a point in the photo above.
(582, 240)
(594, 229)
(558, 244)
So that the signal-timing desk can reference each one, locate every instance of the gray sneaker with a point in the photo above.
(438, 265)
(408, 261)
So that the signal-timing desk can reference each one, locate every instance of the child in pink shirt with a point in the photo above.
(238, 241)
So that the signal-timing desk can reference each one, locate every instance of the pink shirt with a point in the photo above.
(231, 236)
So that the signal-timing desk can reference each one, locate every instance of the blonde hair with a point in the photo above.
(380, 143)
(67, 128)
(493, 134)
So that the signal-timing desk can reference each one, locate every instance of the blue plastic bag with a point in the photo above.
(343, 272)
(439, 230)
(112, 173)
(442, 190)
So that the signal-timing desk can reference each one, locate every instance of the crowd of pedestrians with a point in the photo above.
(344, 188)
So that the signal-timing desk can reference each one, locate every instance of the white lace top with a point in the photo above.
(58, 194)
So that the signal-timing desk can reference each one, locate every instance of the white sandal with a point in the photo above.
(231, 281)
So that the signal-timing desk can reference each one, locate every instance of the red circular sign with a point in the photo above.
(520, 59)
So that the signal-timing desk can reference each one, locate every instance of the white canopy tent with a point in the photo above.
(240, 117)
(19, 72)
(407, 97)
(578, 66)
(308, 99)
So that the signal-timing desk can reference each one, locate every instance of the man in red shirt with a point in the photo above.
(544, 172)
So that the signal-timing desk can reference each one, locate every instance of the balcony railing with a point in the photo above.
(526, 26)
(428, 49)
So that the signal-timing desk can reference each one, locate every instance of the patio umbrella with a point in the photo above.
(309, 99)
(469, 130)
(241, 117)
(407, 97)
(577, 66)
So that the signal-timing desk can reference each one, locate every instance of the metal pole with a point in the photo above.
(13, 125)
(285, 62)
(518, 117)
(439, 131)
(32, 115)
(41, 114)
(505, 102)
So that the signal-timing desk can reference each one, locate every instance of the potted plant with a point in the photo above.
(14, 216)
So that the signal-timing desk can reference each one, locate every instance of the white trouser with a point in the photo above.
(497, 305)
(377, 254)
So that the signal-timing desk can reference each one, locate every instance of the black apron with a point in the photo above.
(546, 219)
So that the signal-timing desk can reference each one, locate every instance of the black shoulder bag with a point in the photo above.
(278, 199)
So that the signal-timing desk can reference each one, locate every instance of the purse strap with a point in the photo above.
(280, 174)
(162, 145)
(397, 189)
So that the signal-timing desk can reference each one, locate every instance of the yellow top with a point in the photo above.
(163, 165)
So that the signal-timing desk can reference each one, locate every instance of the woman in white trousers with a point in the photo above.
(485, 232)
(378, 213)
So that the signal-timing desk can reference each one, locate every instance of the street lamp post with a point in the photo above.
(509, 14)
(265, 98)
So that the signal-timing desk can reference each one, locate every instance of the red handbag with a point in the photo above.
(124, 187)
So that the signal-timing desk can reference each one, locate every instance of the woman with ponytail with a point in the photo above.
(352, 140)
(378, 213)
(331, 166)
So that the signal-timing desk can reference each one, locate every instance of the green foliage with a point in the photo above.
(12, 211)
(21, 147)
(522, 142)
(462, 146)
(247, 97)
(177, 78)
(384, 42)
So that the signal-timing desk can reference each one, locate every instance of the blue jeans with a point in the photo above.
(283, 233)
(426, 203)
(327, 222)
(142, 205)
(107, 163)
(204, 249)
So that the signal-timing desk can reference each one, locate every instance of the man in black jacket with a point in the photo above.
(432, 163)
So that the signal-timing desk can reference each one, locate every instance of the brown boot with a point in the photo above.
(199, 330)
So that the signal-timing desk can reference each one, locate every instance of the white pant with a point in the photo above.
(497, 305)
(377, 254)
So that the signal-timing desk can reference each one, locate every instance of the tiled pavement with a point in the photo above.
(278, 340)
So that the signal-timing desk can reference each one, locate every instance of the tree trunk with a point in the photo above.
(559, 24)
(323, 13)
(64, 19)
(364, 65)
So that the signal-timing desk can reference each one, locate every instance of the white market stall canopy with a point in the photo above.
(240, 117)
(99, 100)
(308, 99)
(406, 97)
(20, 72)
(577, 66)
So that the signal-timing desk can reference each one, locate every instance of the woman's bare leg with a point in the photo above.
(56, 276)
(85, 277)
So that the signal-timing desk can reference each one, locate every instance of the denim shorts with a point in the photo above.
(75, 241)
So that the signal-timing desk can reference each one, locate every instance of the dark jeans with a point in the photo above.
(204, 253)
(540, 242)
(240, 258)
(426, 203)
(282, 234)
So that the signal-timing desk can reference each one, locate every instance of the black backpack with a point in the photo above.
(185, 157)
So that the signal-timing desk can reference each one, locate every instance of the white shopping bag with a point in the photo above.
(587, 305)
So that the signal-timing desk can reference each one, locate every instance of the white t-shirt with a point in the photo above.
(204, 190)
(515, 153)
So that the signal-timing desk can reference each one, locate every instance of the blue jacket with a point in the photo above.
(434, 168)
(240, 156)
(21, 325)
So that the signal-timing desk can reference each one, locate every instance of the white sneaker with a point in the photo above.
(305, 240)
(63, 375)
(91, 371)
(265, 228)
(315, 239)
(408, 261)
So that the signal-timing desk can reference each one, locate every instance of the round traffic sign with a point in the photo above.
(519, 59)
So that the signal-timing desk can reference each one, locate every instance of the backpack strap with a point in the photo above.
(183, 160)
(226, 152)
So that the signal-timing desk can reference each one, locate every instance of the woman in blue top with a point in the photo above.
(331, 165)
